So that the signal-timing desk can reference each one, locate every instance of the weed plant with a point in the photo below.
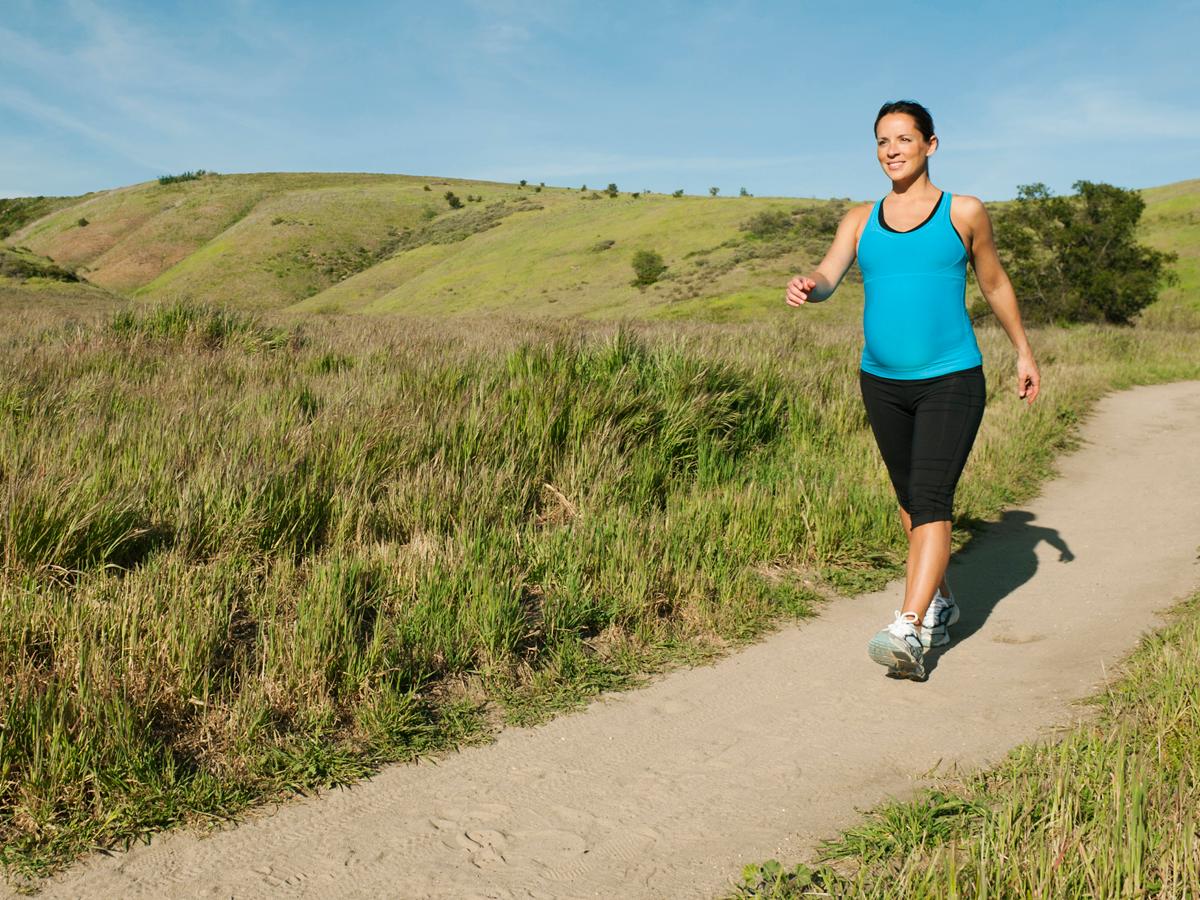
(243, 558)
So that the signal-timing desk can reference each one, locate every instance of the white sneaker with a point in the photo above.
(935, 627)
(898, 647)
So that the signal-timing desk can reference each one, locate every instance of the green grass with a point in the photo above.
(1110, 810)
(246, 557)
(1171, 222)
(357, 243)
(364, 243)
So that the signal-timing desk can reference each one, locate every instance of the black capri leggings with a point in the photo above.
(925, 428)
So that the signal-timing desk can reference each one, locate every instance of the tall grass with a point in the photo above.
(243, 558)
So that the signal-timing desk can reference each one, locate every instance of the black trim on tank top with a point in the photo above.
(886, 227)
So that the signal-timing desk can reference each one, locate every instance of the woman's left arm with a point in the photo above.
(998, 290)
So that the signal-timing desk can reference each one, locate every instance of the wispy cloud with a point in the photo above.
(1080, 111)
(20, 101)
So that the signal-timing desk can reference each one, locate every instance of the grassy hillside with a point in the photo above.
(16, 212)
(1172, 222)
(383, 243)
(29, 282)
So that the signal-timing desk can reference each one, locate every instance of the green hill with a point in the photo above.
(31, 281)
(383, 243)
(1172, 222)
(364, 243)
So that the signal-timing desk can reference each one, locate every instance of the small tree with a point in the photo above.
(648, 267)
(82, 222)
(678, 193)
(635, 194)
(744, 193)
(611, 190)
(453, 200)
(713, 191)
(1075, 258)
(522, 183)
(582, 188)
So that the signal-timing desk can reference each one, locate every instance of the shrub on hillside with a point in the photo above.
(678, 193)
(611, 190)
(453, 200)
(768, 223)
(744, 193)
(713, 191)
(648, 267)
(184, 176)
(82, 222)
(1076, 258)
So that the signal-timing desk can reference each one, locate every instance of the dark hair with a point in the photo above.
(919, 113)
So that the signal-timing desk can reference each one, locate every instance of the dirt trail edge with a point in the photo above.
(667, 791)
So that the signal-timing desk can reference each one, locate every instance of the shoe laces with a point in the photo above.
(905, 624)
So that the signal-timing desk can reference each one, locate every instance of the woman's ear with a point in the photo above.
(933, 145)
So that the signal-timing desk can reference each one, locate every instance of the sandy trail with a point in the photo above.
(667, 791)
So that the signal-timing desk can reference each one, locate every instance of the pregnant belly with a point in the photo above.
(907, 333)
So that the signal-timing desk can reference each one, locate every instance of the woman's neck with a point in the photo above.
(917, 186)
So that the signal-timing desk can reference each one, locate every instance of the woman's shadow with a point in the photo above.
(999, 559)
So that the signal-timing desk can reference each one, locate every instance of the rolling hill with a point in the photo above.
(363, 243)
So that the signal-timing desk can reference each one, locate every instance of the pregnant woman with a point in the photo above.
(921, 372)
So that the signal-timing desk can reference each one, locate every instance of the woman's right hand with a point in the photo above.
(798, 290)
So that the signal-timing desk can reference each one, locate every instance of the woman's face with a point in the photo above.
(902, 148)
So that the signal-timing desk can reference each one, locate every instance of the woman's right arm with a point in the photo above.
(823, 280)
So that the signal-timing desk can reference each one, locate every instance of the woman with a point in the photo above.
(921, 372)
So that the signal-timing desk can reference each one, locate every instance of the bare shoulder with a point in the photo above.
(858, 213)
(968, 208)
(856, 216)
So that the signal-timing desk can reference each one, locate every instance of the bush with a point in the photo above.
(428, 188)
(768, 223)
(744, 193)
(648, 267)
(1075, 258)
(678, 193)
(453, 200)
(611, 190)
(184, 176)
(82, 222)
(635, 195)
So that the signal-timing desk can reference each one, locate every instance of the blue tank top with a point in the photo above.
(915, 322)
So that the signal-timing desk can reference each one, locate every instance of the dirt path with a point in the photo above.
(669, 790)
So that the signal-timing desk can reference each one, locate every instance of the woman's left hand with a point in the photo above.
(1029, 380)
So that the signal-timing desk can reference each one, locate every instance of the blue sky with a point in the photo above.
(776, 97)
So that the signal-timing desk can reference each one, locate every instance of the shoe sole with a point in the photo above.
(939, 635)
(895, 659)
